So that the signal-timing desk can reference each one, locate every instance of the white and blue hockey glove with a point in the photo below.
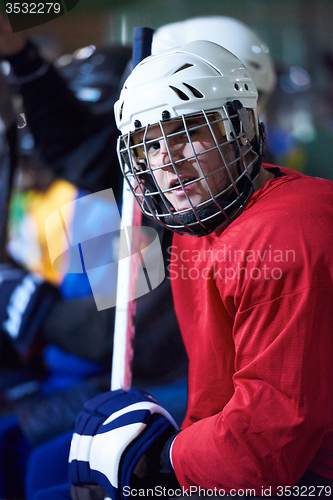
(25, 300)
(118, 443)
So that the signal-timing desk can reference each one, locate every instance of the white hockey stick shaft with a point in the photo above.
(128, 268)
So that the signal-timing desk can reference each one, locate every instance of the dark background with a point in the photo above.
(298, 32)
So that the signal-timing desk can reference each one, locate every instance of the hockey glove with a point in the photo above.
(25, 300)
(118, 441)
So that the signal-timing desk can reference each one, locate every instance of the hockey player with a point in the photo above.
(251, 271)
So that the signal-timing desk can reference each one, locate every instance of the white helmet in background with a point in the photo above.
(199, 85)
(230, 33)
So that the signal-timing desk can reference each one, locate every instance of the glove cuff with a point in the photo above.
(165, 458)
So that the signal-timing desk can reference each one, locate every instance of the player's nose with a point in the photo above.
(171, 155)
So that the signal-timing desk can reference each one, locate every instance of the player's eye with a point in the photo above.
(192, 132)
(153, 148)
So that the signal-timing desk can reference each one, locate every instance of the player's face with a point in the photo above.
(197, 161)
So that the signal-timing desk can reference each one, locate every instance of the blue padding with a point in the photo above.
(75, 285)
(48, 465)
(14, 452)
(66, 370)
(58, 360)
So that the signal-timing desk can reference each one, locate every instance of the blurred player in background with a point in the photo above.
(64, 344)
(232, 34)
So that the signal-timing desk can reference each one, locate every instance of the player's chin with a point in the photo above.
(184, 203)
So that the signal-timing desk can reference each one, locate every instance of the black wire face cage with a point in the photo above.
(229, 132)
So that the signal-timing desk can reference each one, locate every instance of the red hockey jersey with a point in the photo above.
(255, 308)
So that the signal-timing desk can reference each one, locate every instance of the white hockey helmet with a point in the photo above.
(230, 33)
(198, 81)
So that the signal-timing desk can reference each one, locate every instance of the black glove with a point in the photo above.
(25, 300)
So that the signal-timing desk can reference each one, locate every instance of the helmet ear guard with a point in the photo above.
(240, 120)
(255, 131)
